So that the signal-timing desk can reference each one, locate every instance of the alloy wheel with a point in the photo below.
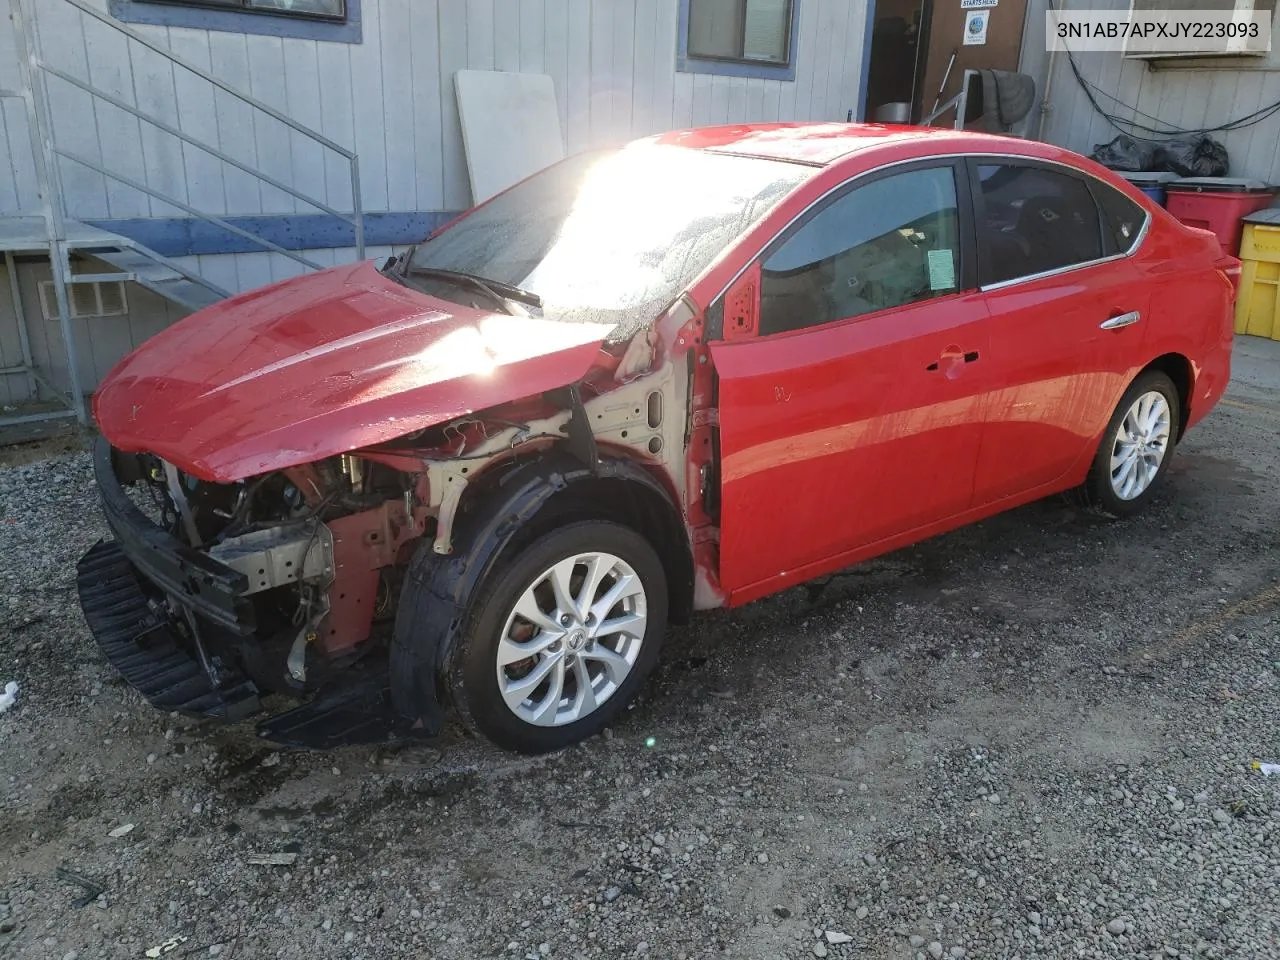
(1140, 445)
(571, 639)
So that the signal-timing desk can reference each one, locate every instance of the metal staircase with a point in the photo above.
(59, 231)
(148, 269)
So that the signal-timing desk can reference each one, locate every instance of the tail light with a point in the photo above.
(1230, 268)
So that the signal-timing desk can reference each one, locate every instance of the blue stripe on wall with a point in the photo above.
(188, 236)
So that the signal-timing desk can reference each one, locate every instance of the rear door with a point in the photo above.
(852, 412)
(1068, 315)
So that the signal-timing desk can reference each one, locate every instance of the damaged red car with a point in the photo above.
(481, 479)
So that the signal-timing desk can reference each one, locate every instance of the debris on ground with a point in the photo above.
(272, 859)
(92, 888)
(170, 945)
(9, 696)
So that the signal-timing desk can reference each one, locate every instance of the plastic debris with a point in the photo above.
(9, 696)
(273, 859)
(121, 831)
(1200, 156)
(1125, 153)
(1267, 769)
(92, 889)
(170, 945)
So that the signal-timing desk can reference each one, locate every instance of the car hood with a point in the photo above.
(324, 364)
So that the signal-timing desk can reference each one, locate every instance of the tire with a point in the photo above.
(615, 663)
(1125, 474)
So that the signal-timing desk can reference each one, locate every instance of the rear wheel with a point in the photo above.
(564, 637)
(1136, 448)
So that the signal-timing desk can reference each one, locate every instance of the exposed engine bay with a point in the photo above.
(312, 558)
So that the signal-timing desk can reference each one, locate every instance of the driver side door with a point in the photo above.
(850, 416)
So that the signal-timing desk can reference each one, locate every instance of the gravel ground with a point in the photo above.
(1030, 738)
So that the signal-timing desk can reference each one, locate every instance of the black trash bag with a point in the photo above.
(1200, 156)
(1125, 153)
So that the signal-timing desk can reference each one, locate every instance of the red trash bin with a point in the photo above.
(1218, 204)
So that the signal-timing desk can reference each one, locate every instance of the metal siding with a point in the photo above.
(197, 115)
(428, 142)
(1175, 95)
(397, 76)
(14, 387)
(302, 97)
(229, 54)
(274, 145)
(391, 98)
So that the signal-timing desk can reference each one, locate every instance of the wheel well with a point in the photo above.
(644, 510)
(1178, 369)
(626, 496)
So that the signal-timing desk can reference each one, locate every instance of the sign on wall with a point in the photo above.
(975, 27)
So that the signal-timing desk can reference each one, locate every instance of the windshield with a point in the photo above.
(609, 237)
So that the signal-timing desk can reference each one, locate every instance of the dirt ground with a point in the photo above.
(1029, 738)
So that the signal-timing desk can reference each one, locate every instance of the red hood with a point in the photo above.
(322, 365)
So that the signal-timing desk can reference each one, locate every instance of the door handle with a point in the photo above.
(952, 355)
(1124, 320)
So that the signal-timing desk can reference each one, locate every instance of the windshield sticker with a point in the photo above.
(942, 270)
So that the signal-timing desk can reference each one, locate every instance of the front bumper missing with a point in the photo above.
(119, 583)
(208, 588)
(146, 649)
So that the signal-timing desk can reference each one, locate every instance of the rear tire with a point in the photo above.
(562, 637)
(1136, 447)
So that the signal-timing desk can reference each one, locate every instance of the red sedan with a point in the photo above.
(681, 375)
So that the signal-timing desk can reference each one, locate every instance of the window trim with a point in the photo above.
(967, 274)
(259, 11)
(271, 23)
(687, 62)
(718, 300)
(1096, 187)
(1065, 169)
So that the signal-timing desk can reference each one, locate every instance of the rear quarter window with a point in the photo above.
(1122, 218)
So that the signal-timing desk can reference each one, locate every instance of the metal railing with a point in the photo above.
(55, 231)
(35, 73)
(28, 366)
(355, 218)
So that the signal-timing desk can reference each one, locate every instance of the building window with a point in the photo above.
(326, 9)
(742, 38)
(334, 20)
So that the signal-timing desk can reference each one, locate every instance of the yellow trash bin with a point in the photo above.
(1258, 303)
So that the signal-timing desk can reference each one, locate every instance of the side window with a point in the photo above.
(1122, 218)
(888, 243)
(1034, 220)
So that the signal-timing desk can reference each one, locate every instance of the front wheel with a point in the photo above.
(1136, 448)
(562, 638)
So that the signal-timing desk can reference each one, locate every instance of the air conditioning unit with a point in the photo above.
(1207, 6)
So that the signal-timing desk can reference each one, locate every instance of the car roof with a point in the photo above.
(821, 144)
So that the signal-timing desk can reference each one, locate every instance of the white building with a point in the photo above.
(180, 150)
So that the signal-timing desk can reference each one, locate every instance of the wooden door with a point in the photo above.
(946, 35)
